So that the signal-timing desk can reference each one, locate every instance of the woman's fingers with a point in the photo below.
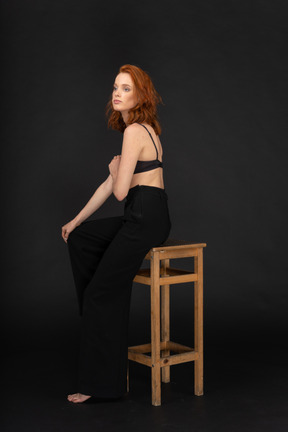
(67, 229)
(65, 234)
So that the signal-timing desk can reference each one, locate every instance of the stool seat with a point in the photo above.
(159, 277)
(173, 242)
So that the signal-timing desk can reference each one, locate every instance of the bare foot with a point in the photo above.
(77, 397)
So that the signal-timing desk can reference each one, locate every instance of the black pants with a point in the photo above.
(105, 255)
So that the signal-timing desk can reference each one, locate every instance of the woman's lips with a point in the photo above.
(116, 101)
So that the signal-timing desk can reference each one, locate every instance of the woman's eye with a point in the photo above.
(126, 89)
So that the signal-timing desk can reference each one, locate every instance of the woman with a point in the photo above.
(106, 253)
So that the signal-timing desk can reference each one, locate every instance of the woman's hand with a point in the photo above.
(67, 229)
(114, 166)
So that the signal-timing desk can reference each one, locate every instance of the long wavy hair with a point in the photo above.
(146, 108)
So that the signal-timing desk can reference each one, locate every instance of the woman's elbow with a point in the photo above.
(119, 197)
(120, 194)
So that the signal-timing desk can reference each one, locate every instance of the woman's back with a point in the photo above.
(151, 152)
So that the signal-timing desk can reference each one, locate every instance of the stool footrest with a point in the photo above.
(185, 354)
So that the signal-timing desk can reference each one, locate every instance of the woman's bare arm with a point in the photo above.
(98, 198)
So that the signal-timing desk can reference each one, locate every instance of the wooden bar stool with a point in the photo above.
(160, 274)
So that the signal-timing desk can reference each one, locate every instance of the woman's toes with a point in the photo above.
(71, 397)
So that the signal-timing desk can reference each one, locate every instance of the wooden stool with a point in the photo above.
(163, 276)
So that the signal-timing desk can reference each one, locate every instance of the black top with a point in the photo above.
(142, 166)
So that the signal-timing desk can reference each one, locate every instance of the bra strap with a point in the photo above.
(150, 137)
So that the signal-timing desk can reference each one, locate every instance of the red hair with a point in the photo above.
(146, 109)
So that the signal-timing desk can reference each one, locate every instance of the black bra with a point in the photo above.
(142, 166)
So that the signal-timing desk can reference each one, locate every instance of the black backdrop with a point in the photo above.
(221, 69)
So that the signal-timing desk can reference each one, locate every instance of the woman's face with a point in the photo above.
(123, 96)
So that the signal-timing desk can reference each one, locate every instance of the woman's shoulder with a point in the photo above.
(133, 127)
(134, 130)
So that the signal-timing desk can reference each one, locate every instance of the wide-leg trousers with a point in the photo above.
(105, 256)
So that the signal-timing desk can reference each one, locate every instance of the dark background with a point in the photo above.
(221, 69)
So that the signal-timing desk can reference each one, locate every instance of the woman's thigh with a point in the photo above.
(120, 262)
(110, 287)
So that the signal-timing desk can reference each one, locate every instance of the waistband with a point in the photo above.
(146, 189)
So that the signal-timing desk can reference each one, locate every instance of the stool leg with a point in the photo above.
(128, 376)
(165, 320)
(198, 323)
(155, 330)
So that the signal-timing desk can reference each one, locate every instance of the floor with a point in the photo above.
(245, 390)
